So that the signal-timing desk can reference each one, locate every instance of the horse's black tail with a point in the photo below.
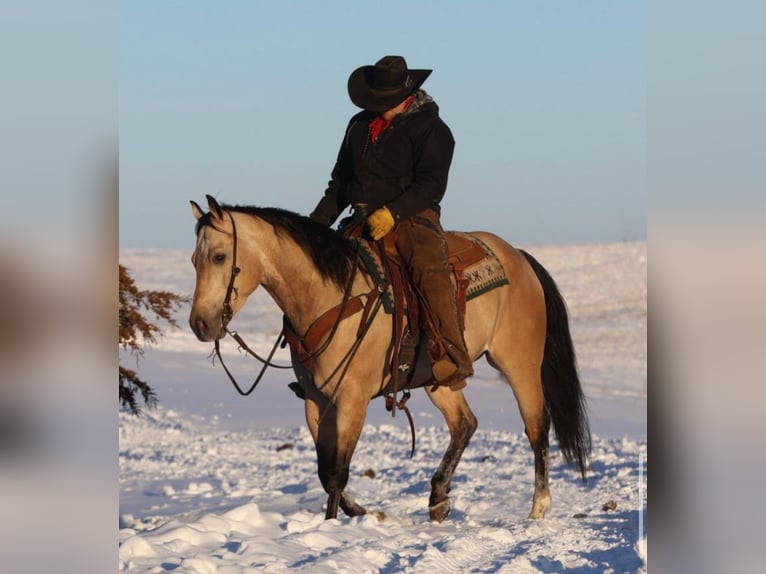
(564, 399)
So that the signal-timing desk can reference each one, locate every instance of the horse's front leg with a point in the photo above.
(337, 437)
(336, 429)
(462, 424)
(350, 506)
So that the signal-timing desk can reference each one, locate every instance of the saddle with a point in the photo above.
(475, 270)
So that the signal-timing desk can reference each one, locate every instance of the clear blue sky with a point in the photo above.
(247, 101)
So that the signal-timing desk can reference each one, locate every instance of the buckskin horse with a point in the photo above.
(521, 327)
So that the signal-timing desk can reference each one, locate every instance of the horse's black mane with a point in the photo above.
(332, 253)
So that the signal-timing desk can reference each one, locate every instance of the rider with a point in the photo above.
(392, 169)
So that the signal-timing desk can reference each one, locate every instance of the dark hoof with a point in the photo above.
(439, 511)
(350, 507)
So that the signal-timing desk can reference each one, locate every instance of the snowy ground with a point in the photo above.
(213, 482)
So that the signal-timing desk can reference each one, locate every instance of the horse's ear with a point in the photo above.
(214, 207)
(196, 210)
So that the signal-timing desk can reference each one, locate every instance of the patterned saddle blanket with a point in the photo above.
(475, 269)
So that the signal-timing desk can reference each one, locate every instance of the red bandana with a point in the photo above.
(379, 124)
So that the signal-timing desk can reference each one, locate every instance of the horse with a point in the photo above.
(522, 328)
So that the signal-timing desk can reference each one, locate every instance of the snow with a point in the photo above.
(213, 482)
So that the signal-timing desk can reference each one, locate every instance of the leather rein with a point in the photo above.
(348, 306)
(227, 315)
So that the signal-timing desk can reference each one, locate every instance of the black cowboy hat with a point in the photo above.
(385, 85)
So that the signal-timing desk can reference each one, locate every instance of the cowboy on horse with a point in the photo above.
(392, 170)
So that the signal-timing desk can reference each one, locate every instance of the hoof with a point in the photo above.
(439, 511)
(350, 507)
(540, 507)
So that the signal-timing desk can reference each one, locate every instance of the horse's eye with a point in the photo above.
(219, 257)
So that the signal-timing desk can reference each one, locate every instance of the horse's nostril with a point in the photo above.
(198, 325)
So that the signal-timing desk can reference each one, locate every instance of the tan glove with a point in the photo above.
(380, 222)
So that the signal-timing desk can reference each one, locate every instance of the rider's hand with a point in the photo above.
(380, 223)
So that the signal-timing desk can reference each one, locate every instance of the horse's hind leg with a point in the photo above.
(537, 433)
(527, 387)
(462, 424)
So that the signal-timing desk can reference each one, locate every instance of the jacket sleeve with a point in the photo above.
(433, 156)
(334, 200)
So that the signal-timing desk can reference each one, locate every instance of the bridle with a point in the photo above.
(227, 312)
(227, 315)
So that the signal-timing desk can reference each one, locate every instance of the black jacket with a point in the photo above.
(405, 169)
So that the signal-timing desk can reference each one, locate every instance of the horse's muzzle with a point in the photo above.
(203, 329)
